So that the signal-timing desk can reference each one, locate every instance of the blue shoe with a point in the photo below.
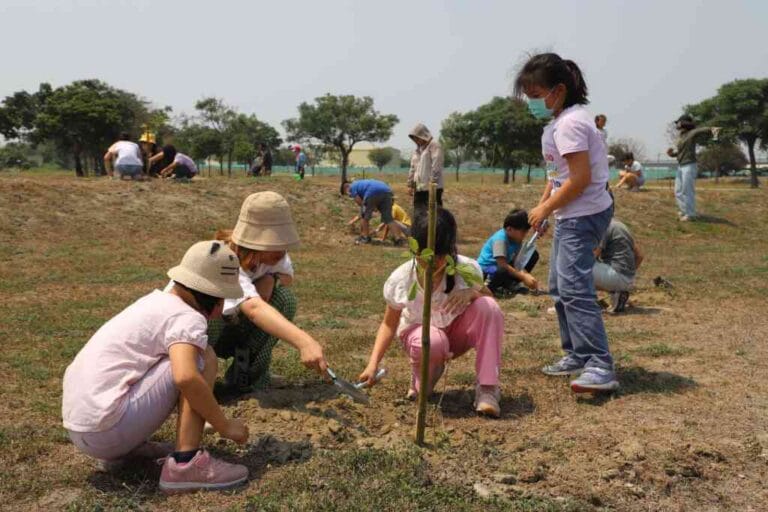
(595, 379)
(566, 366)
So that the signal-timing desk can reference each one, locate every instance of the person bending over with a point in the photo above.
(498, 253)
(618, 258)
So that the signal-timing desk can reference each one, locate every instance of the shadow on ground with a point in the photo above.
(637, 380)
(139, 477)
(459, 403)
(711, 219)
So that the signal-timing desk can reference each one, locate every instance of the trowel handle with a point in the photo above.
(380, 374)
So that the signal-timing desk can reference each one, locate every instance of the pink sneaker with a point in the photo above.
(203, 472)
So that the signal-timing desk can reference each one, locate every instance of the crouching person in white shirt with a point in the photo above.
(149, 358)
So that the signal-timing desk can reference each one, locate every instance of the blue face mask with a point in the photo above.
(538, 107)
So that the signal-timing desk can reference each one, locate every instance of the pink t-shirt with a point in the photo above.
(571, 132)
(120, 353)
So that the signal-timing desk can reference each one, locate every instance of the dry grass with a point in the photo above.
(687, 431)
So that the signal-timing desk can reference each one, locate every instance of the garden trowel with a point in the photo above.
(525, 253)
(351, 390)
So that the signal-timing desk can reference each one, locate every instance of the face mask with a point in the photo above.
(538, 107)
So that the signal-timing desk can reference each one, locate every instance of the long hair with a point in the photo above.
(548, 70)
(445, 237)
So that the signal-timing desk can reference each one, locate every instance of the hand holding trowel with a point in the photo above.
(354, 391)
(524, 255)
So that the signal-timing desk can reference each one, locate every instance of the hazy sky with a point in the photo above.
(421, 60)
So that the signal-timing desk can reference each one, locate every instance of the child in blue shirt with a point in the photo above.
(373, 195)
(499, 252)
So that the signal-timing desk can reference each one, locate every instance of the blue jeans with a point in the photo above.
(133, 171)
(572, 286)
(685, 189)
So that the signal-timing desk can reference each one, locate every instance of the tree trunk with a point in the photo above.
(344, 164)
(221, 165)
(78, 164)
(528, 178)
(753, 181)
(209, 166)
(514, 174)
(458, 164)
(506, 176)
(229, 164)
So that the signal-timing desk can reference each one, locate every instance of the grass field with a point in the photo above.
(688, 430)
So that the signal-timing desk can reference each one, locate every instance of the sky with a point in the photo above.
(421, 60)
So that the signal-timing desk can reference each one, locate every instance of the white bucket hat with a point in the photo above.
(209, 267)
(265, 224)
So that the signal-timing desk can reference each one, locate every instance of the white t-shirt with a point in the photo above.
(571, 132)
(182, 159)
(636, 167)
(120, 354)
(396, 294)
(284, 266)
(128, 153)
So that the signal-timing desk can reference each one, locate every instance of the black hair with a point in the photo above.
(125, 136)
(517, 219)
(549, 70)
(341, 188)
(445, 237)
(207, 302)
(629, 156)
(599, 117)
(169, 154)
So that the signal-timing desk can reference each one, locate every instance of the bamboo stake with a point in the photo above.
(426, 317)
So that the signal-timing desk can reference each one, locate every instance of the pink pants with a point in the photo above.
(480, 327)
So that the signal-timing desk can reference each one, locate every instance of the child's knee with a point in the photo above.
(488, 307)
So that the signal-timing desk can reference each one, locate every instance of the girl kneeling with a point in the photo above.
(128, 378)
(464, 316)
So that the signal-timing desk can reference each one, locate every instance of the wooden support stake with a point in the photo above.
(426, 317)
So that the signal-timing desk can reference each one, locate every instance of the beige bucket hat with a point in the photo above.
(265, 224)
(209, 267)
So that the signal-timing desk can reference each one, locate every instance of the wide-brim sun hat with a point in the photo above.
(209, 267)
(265, 224)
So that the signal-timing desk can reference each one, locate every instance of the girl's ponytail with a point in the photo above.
(577, 95)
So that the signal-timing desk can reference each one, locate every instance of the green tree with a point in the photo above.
(722, 159)
(457, 136)
(381, 156)
(741, 109)
(215, 114)
(82, 118)
(15, 155)
(506, 135)
(341, 122)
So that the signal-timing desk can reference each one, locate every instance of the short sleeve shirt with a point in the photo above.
(618, 249)
(399, 284)
(574, 131)
(368, 188)
(182, 159)
(120, 353)
(497, 245)
(127, 153)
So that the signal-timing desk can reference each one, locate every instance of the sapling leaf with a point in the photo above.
(412, 291)
(469, 274)
(449, 261)
(427, 254)
(450, 270)
(413, 245)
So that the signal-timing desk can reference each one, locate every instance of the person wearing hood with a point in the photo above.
(685, 152)
(426, 167)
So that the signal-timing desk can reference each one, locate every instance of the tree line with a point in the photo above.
(74, 124)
